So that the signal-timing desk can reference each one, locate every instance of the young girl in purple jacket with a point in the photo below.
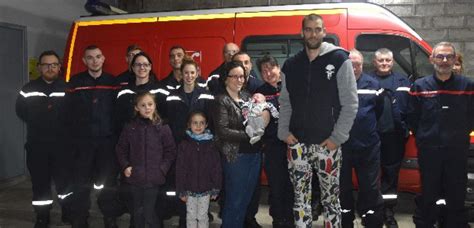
(198, 171)
(145, 152)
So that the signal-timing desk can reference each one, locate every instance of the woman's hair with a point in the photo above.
(152, 74)
(227, 68)
(156, 117)
(460, 59)
(195, 113)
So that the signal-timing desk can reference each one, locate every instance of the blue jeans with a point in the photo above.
(241, 177)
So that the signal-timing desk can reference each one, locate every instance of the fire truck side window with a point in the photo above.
(409, 58)
(280, 47)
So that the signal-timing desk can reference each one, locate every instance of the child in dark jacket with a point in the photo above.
(145, 152)
(198, 171)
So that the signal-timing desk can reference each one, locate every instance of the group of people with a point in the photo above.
(318, 116)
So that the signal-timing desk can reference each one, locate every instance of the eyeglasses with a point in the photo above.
(441, 57)
(49, 65)
(237, 77)
(140, 65)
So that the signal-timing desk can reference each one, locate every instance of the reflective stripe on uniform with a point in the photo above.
(441, 202)
(162, 91)
(369, 212)
(42, 202)
(406, 89)
(389, 196)
(345, 210)
(206, 96)
(41, 94)
(98, 187)
(32, 94)
(171, 193)
(173, 88)
(125, 91)
(57, 94)
(173, 98)
(64, 196)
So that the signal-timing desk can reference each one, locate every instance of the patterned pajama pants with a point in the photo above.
(196, 212)
(302, 160)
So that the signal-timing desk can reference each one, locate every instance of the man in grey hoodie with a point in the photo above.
(318, 106)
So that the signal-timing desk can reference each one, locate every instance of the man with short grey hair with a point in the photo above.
(441, 116)
(391, 127)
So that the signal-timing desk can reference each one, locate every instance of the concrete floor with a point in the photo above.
(16, 211)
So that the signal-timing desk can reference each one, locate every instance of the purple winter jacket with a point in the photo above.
(198, 166)
(149, 149)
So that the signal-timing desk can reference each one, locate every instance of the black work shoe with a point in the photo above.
(251, 223)
(389, 218)
(80, 223)
(110, 222)
(42, 223)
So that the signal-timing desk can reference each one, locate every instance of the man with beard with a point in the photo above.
(90, 101)
(318, 104)
(39, 104)
(392, 128)
(441, 115)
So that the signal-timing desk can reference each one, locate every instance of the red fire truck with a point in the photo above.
(274, 30)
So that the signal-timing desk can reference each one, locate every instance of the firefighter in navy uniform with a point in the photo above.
(362, 152)
(274, 150)
(392, 129)
(90, 101)
(39, 105)
(441, 116)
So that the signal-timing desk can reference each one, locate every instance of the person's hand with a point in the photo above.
(184, 198)
(128, 171)
(291, 139)
(329, 144)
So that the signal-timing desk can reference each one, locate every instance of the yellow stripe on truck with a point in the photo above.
(118, 21)
(197, 17)
(71, 51)
(290, 13)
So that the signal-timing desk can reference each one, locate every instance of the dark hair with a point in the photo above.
(48, 53)
(239, 53)
(266, 59)
(140, 95)
(227, 68)
(195, 113)
(133, 47)
(152, 74)
(460, 59)
(311, 17)
(177, 47)
(91, 47)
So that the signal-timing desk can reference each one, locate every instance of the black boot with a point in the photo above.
(389, 218)
(42, 218)
(251, 223)
(80, 223)
(110, 222)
